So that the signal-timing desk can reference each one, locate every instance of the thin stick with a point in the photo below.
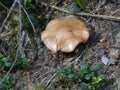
(54, 75)
(84, 14)
(27, 17)
(10, 68)
(52, 10)
(20, 20)
(17, 48)
(14, 3)
(98, 8)
(22, 34)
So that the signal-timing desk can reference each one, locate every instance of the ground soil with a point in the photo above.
(44, 64)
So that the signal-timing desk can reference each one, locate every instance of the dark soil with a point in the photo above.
(44, 64)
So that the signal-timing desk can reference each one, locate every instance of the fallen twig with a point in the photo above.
(22, 34)
(51, 79)
(113, 18)
(18, 42)
(17, 49)
(3, 24)
(14, 3)
(98, 8)
(27, 16)
(115, 11)
(10, 68)
(52, 10)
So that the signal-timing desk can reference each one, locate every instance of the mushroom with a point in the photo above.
(64, 34)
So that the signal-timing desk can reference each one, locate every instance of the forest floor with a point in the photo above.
(43, 64)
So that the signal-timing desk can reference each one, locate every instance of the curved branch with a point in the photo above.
(113, 18)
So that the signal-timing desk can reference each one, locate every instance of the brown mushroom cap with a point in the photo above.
(64, 34)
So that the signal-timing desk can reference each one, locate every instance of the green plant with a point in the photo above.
(4, 61)
(7, 83)
(82, 4)
(21, 88)
(21, 62)
(51, 88)
(26, 22)
(4, 6)
(86, 73)
(38, 86)
(27, 2)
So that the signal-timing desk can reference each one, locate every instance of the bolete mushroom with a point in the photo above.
(64, 34)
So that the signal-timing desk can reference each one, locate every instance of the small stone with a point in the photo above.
(26, 73)
(105, 60)
(102, 40)
(115, 52)
(112, 61)
(117, 37)
(108, 61)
